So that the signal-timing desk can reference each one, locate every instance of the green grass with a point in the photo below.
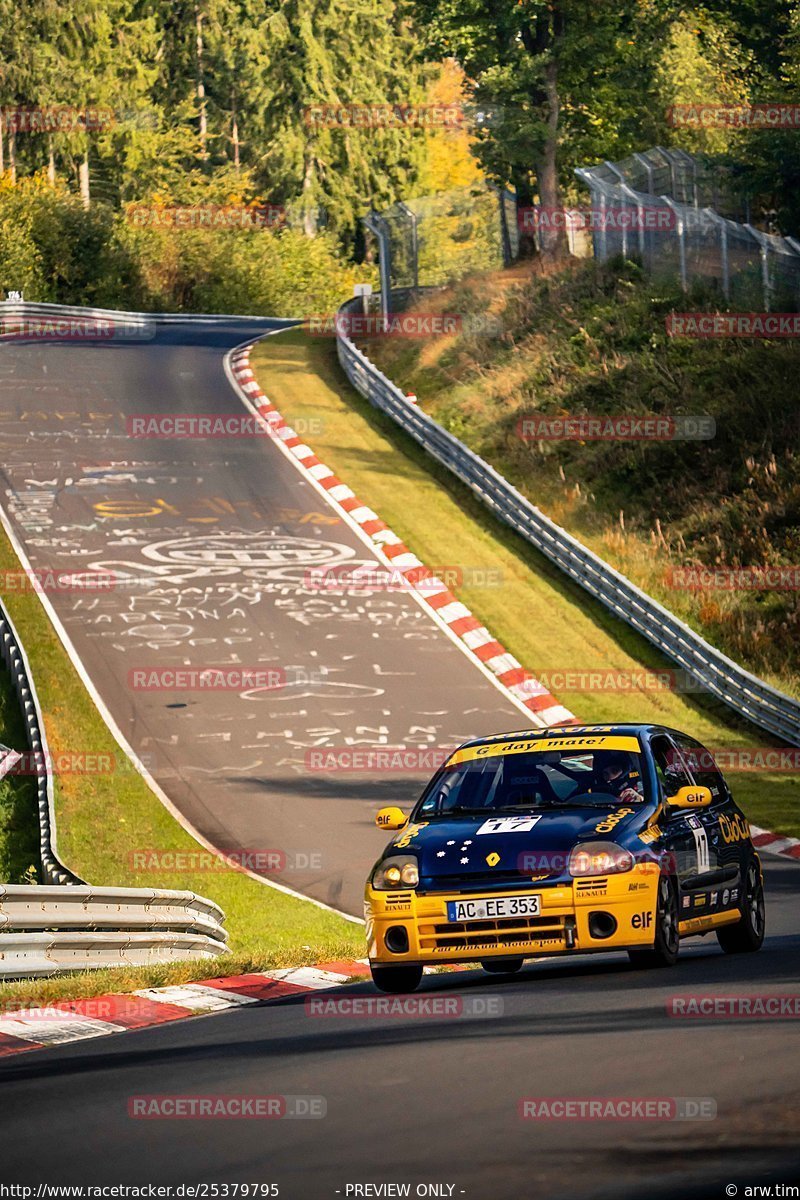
(100, 816)
(592, 340)
(19, 828)
(542, 618)
(547, 622)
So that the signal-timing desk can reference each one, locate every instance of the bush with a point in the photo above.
(57, 251)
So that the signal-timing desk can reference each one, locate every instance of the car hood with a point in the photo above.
(506, 844)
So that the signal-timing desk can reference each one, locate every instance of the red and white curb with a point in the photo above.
(514, 679)
(527, 692)
(775, 843)
(120, 1012)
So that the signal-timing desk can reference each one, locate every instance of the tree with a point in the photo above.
(345, 56)
(557, 77)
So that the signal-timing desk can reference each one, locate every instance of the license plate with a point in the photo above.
(496, 907)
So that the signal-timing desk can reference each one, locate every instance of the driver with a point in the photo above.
(616, 772)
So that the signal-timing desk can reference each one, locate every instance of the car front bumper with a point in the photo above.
(567, 923)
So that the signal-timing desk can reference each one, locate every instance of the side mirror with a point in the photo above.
(394, 818)
(691, 796)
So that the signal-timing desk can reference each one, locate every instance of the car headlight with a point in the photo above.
(397, 871)
(599, 858)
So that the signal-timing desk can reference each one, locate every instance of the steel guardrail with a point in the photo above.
(67, 924)
(723, 678)
(25, 907)
(16, 661)
(35, 955)
(11, 310)
(44, 930)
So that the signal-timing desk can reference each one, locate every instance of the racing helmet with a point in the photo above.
(617, 766)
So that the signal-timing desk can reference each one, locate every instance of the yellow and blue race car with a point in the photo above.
(565, 840)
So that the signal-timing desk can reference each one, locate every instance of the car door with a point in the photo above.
(686, 838)
(721, 823)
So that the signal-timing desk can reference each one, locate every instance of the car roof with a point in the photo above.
(628, 729)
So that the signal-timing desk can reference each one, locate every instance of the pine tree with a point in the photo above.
(328, 55)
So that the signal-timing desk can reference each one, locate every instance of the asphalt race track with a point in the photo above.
(436, 1099)
(210, 542)
(219, 535)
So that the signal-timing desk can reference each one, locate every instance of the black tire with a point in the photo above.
(502, 966)
(396, 979)
(747, 935)
(664, 952)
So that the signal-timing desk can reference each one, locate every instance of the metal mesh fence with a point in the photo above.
(681, 176)
(673, 212)
(668, 223)
(433, 240)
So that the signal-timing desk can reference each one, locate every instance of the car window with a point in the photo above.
(701, 764)
(535, 779)
(671, 770)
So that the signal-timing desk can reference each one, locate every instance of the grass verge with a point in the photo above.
(539, 615)
(19, 824)
(591, 340)
(100, 816)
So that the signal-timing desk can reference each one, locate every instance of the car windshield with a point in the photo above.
(520, 782)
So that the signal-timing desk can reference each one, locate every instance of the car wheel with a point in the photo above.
(664, 952)
(747, 934)
(396, 979)
(502, 966)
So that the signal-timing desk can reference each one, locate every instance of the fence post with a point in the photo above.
(603, 239)
(637, 200)
(378, 228)
(763, 250)
(690, 161)
(795, 246)
(586, 176)
(412, 216)
(616, 171)
(723, 250)
(671, 166)
(648, 166)
(680, 230)
(505, 236)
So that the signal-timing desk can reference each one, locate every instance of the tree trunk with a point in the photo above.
(2, 146)
(83, 180)
(51, 163)
(235, 133)
(201, 87)
(309, 212)
(525, 224)
(12, 154)
(552, 236)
